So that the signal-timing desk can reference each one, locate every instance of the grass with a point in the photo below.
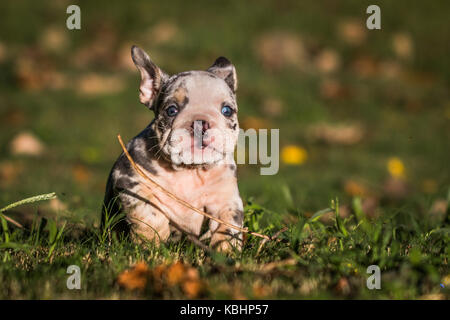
(311, 259)
(405, 116)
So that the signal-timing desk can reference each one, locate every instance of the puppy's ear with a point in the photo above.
(223, 68)
(152, 77)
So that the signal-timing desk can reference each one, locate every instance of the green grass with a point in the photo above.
(329, 260)
(406, 116)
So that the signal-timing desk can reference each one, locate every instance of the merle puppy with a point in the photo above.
(188, 149)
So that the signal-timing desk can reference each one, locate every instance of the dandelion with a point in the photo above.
(294, 155)
(396, 167)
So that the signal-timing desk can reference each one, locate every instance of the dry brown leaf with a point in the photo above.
(80, 173)
(9, 171)
(193, 288)
(327, 61)
(354, 188)
(254, 123)
(439, 209)
(135, 278)
(163, 32)
(100, 50)
(402, 45)
(390, 69)
(365, 66)
(96, 84)
(279, 49)
(272, 107)
(26, 143)
(56, 205)
(276, 264)
(260, 290)
(54, 39)
(344, 134)
(333, 89)
(175, 273)
(13, 117)
(343, 286)
(352, 31)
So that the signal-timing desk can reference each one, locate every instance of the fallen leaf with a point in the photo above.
(438, 209)
(344, 134)
(26, 143)
(56, 205)
(100, 50)
(254, 123)
(80, 173)
(327, 61)
(354, 188)
(343, 286)
(390, 69)
(135, 278)
(272, 107)
(163, 32)
(402, 45)
(279, 49)
(365, 66)
(260, 290)
(54, 39)
(96, 84)
(13, 117)
(352, 31)
(193, 288)
(333, 89)
(34, 70)
(9, 171)
(175, 273)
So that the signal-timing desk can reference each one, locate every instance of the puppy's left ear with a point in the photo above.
(152, 77)
(223, 68)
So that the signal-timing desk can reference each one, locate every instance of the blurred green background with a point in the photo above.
(360, 112)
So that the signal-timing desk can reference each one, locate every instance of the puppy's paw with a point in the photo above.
(226, 243)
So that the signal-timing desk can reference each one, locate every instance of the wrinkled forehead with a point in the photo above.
(197, 88)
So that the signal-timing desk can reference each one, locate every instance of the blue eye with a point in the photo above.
(227, 111)
(172, 110)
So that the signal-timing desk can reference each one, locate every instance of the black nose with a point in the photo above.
(203, 124)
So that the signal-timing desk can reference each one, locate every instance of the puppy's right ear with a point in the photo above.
(152, 77)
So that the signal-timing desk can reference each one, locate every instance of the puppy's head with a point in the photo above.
(195, 112)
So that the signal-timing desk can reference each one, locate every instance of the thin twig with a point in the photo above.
(272, 238)
(14, 222)
(181, 201)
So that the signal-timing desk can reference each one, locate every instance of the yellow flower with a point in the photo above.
(294, 155)
(396, 167)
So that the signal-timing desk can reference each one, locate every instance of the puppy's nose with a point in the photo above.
(202, 125)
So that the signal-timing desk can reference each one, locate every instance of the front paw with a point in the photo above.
(226, 241)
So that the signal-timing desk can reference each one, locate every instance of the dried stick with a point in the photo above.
(181, 201)
(271, 238)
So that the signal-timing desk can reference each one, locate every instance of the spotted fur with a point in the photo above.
(210, 185)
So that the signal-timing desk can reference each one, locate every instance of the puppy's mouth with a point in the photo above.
(202, 142)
